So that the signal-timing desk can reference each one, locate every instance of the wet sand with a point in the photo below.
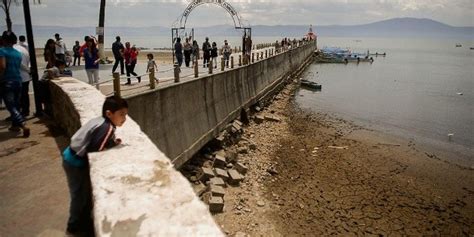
(316, 175)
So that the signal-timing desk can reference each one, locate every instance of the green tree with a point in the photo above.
(5, 5)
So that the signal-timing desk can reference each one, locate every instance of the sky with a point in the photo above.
(253, 12)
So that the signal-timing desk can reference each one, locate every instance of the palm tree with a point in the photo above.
(5, 5)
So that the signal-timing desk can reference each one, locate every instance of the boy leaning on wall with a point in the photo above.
(96, 135)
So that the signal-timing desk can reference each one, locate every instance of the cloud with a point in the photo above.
(256, 12)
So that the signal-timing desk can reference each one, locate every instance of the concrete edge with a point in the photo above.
(136, 189)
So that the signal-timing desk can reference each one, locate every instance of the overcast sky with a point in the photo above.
(255, 12)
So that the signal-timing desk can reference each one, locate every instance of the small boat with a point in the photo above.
(458, 45)
(471, 48)
(311, 85)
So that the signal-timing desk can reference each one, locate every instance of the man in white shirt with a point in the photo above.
(60, 48)
(26, 78)
(22, 42)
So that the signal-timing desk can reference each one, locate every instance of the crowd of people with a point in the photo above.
(191, 52)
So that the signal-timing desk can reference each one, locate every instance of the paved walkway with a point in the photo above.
(34, 198)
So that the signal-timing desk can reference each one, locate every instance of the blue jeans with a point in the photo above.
(79, 183)
(11, 91)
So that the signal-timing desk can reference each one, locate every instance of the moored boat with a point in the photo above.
(311, 84)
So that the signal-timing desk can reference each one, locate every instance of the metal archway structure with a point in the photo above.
(179, 26)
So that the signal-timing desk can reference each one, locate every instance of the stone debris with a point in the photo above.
(260, 203)
(199, 189)
(235, 177)
(222, 173)
(220, 161)
(217, 191)
(206, 174)
(241, 168)
(259, 119)
(272, 118)
(231, 157)
(216, 204)
(240, 234)
(217, 182)
(242, 150)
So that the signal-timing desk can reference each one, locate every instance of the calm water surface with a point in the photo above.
(412, 93)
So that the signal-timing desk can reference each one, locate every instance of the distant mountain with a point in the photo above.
(397, 27)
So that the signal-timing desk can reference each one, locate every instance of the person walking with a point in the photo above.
(91, 58)
(206, 52)
(10, 86)
(117, 50)
(49, 53)
(130, 55)
(178, 51)
(195, 52)
(76, 54)
(25, 78)
(188, 50)
(226, 52)
(60, 48)
(23, 43)
(214, 54)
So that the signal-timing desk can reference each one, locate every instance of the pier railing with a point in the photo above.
(238, 59)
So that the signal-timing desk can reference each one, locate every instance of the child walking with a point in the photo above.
(96, 135)
(151, 66)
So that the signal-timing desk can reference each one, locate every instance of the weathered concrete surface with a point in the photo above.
(136, 190)
(181, 118)
(34, 200)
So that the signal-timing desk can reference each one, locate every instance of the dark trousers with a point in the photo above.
(207, 58)
(11, 91)
(179, 57)
(187, 57)
(117, 61)
(61, 57)
(78, 58)
(80, 209)
(25, 99)
(131, 71)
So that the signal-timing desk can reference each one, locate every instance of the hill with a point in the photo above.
(397, 27)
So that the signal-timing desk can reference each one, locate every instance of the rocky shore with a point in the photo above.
(316, 175)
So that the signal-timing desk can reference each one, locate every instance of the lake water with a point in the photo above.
(412, 93)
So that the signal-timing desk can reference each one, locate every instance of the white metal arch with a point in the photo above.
(222, 3)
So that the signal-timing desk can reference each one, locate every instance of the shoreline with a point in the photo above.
(316, 174)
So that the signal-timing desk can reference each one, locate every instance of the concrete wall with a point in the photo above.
(136, 190)
(181, 118)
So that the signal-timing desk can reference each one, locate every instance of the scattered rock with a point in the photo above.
(222, 173)
(199, 189)
(231, 157)
(217, 191)
(235, 177)
(259, 119)
(240, 234)
(272, 171)
(216, 204)
(217, 182)
(253, 146)
(220, 161)
(260, 203)
(272, 118)
(241, 168)
(242, 150)
(206, 174)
